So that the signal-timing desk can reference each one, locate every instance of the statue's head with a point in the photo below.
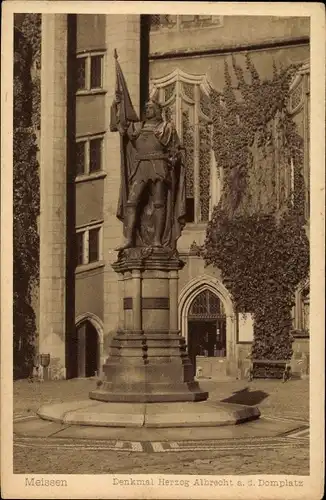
(153, 109)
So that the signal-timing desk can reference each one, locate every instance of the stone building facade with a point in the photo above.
(177, 59)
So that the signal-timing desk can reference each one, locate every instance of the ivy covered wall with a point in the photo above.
(256, 141)
(255, 238)
(256, 235)
(26, 195)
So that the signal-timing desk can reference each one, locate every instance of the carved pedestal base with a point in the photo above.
(148, 359)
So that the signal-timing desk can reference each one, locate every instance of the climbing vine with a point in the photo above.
(256, 235)
(26, 120)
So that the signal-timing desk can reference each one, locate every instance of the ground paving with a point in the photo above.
(283, 407)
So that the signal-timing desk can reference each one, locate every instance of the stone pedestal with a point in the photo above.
(148, 359)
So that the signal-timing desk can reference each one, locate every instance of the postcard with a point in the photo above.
(162, 250)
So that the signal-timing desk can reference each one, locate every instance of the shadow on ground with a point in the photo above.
(246, 397)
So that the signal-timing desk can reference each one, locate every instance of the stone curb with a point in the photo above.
(154, 415)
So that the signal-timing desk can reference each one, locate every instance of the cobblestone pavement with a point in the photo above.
(261, 459)
(272, 396)
(278, 402)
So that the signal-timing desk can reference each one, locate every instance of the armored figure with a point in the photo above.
(152, 192)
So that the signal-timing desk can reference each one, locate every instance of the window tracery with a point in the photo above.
(305, 305)
(169, 91)
(188, 143)
(205, 104)
(188, 90)
(186, 100)
(204, 169)
(206, 305)
(301, 321)
(159, 21)
(296, 97)
(162, 20)
(299, 108)
(168, 114)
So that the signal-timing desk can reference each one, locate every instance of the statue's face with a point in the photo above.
(152, 110)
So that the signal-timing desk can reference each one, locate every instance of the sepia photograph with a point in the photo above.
(161, 253)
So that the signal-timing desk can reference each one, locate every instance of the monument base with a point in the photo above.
(148, 360)
(153, 415)
(148, 367)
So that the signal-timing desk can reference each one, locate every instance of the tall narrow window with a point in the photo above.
(305, 306)
(188, 143)
(80, 248)
(96, 72)
(80, 157)
(299, 108)
(93, 245)
(81, 73)
(204, 169)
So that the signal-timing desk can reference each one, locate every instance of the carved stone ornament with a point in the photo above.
(194, 248)
(147, 258)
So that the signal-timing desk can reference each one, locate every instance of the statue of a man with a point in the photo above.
(152, 192)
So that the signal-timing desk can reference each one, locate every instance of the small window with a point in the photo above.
(95, 155)
(96, 72)
(81, 73)
(88, 247)
(89, 72)
(93, 245)
(89, 153)
(80, 157)
(80, 248)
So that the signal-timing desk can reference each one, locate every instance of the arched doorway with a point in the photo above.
(206, 327)
(216, 366)
(87, 349)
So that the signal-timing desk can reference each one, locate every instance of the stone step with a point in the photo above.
(118, 359)
(155, 335)
(117, 342)
(148, 392)
(151, 352)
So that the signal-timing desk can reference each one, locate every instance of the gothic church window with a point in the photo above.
(186, 101)
(206, 304)
(301, 322)
(305, 305)
(159, 21)
(299, 108)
